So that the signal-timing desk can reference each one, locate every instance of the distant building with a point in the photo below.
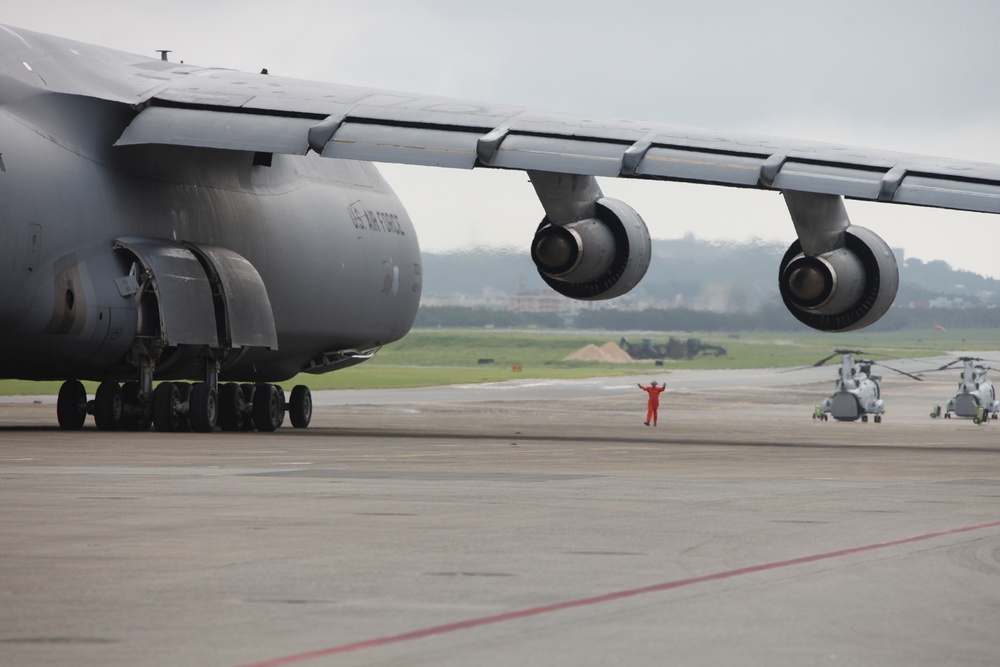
(538, 301)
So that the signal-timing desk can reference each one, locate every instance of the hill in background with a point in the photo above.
(684, 273)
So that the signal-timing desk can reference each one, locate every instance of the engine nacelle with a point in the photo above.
(841, 290)
(597, 258)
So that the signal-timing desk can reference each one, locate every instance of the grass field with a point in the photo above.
(427, 358)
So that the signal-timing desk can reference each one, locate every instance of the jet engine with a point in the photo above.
(597, 258)
(841, 290)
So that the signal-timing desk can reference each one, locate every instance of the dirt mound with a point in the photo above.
(609, 352)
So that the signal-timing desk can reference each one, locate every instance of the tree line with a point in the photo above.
(770, 317)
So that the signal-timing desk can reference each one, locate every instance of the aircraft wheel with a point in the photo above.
(165, 399)
(878, 419)
(71, 407)
(184, 416)
(136, 416)
(231, 407)
(248, 392)
(108, 406)
(300, 407)
(864, 418)
(284, 405)
(267, 408)
(204, 410)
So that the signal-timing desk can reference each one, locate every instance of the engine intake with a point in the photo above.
(842, 290)
(597, 258)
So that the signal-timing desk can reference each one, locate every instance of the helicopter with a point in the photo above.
(858, 393)
(976, 397)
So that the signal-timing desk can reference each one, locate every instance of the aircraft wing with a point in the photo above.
(232, 110)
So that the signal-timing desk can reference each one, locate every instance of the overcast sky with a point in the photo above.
(909, 75)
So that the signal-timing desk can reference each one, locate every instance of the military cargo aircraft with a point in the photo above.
(169, 222)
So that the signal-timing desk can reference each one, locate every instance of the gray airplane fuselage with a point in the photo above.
(331, 242)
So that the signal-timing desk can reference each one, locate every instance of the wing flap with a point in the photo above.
(430, 147)
(700, 166)
(827, 178)
(563, 154)
(942, 192)
(204, 128)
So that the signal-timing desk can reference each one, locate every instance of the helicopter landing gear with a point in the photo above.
(864, 418)
(878, 419)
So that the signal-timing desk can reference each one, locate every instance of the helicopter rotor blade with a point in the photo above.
(825, 359)
(910, 375)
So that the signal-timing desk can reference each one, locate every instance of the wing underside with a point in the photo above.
(230, 110)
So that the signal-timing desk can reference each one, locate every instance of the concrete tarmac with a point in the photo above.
(540, 524)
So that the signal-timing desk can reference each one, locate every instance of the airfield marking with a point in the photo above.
(599, 599)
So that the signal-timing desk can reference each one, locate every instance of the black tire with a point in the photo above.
(284, 405)
(71, 407)
(108, 406)
(267, 408)
(300, 406)
(165, 400)
(248, 390)
(230, 407)
(204, 411)
(184, 416)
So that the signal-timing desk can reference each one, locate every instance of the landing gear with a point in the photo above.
(204, 407)
(300, 407)
(135, 415)
(232, 407)
(248, 394)
(268, 407)
(166, 408)
(179, 407)
(878, 419)
(71, 406)
(109, 406)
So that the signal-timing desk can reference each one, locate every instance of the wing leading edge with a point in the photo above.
(231, 110)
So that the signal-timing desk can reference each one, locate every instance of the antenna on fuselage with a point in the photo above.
(163, 53)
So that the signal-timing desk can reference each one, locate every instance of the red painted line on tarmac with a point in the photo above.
(608, 597)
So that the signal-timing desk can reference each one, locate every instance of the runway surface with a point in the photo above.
(516, 524)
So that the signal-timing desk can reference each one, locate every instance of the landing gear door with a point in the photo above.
(183, 291)
(247, 308)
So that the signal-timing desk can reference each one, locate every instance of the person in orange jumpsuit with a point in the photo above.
(654, 392)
